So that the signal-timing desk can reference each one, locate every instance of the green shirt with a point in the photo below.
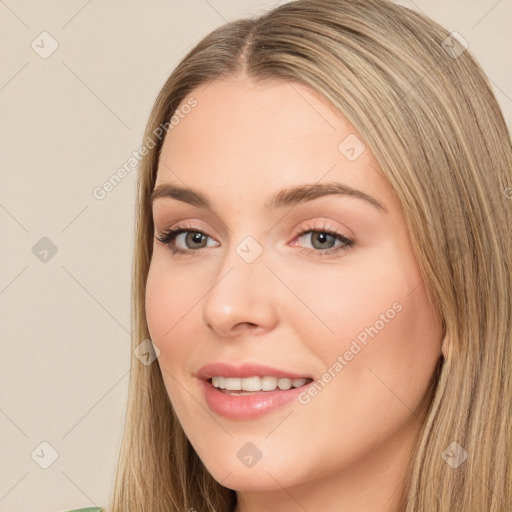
(90, 509)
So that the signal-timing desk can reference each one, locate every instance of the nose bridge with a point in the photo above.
(241, 293)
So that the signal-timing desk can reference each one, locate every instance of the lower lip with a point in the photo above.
(246, 407)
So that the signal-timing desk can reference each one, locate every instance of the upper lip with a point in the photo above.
(244, 370)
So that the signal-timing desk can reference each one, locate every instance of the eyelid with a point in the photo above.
(321, 224)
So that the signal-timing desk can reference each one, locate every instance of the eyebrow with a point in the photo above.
(286, 197)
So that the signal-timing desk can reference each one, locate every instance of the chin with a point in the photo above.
(250, 481)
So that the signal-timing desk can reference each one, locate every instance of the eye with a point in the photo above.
(323, 240)
(191, 237)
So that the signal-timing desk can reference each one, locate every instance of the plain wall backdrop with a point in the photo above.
(77, 82)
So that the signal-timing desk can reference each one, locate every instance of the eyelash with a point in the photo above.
(168, 238)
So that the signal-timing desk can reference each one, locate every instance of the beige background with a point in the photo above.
(69, 121)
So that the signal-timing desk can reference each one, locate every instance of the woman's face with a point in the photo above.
(316, 284)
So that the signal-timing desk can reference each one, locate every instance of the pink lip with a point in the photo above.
(246, 407)
(244, 370)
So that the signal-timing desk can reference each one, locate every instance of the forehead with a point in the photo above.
(243, 137)
(238, 116)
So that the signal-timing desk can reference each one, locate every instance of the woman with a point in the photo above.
(322, 267)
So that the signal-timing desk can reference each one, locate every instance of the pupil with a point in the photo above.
(196, 237)
(323, 237)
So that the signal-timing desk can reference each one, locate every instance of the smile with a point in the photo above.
(252, 384)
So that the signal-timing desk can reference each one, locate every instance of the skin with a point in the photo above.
(292, 308)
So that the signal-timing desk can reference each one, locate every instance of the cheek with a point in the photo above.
(378, 341)
(172, 324)
(169, 302)
(170, 314)
(364, 302)
(387, 346)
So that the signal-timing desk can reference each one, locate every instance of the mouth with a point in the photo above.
(249, 390)
(240, 386)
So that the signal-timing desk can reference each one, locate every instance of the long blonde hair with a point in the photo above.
(427, 112)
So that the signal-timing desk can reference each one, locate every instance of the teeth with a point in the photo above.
(266, 383)
(284, 384)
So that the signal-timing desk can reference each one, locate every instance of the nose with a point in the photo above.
(243, 296)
